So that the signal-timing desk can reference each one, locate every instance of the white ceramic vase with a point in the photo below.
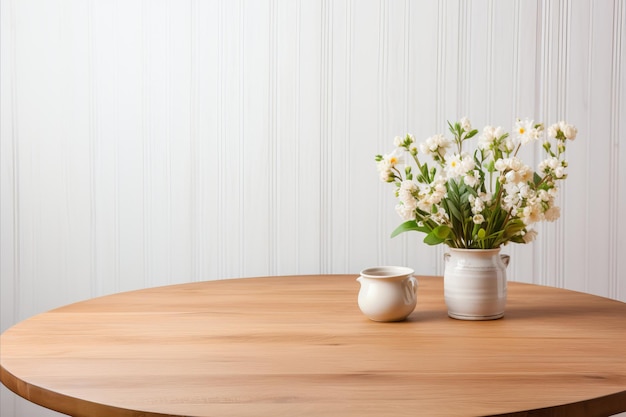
(474, 283)
(387, 293)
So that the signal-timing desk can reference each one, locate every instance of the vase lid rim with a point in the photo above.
(473, 250)
(387, 271)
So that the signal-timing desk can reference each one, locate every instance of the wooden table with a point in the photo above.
(299, 346)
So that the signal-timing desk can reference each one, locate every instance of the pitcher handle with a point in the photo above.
(414, 284)
(505, 259)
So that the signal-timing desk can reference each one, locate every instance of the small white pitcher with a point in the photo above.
(388, 293)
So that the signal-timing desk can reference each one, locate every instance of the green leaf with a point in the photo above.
(471, 191)
(454, 211)
(495, 235)
(438, 235)
(452, 128)
(514, 227)
(409, 225)
(441, 231)
(471, 134)
(517, 239)
(453, 186)
(424, 177)
(464, 197)
(432, 239)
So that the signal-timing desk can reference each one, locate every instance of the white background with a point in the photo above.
(154, 142)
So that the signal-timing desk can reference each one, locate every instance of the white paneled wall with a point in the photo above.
(150, 142)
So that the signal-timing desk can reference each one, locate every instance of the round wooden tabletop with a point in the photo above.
(299, 346)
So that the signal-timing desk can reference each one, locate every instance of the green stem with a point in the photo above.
(399, 176)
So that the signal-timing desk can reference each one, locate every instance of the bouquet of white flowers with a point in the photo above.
(481, 200)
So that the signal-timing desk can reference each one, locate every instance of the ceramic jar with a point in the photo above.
(387, 293)
(474, 283)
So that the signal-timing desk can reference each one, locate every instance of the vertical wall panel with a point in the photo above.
(619, 132)
(598, 147)
(284, 81)
(619, 15)
(363, 98)
(309, 107)
(392, 117)
(325, 147)
(178, 131)
(9, 181)
(130, 149)
(581, 172)
(153, 142)
(260, 143)
(103, 100)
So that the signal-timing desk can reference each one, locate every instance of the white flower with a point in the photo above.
(478, 219)
(549, 164)
(543, 195)
(529, 236)
(559, 172)
(513, 170)
(408, 202)
(526, 131)
(511, 177)
(403, 142)
(440, 217)
(406, 194)
(387, 163)
(466, 125)
(552, 214)
(511, 199)
(405, 212)
(531, 213)
(515, 164)
(500, 164)
(394, 157)
(471, 178)
(562, 131)
(459, 165)
(431, 194)
(435, 145)
(386, 176)
(478, 205)
(489, 137)
(486, 197)
(425, 204)
(454, 166)
(438, 190)
(570, 132)
(525, 173)
(525, 191)
(553, 130)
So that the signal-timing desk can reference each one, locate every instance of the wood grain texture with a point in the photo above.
(298, 345)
